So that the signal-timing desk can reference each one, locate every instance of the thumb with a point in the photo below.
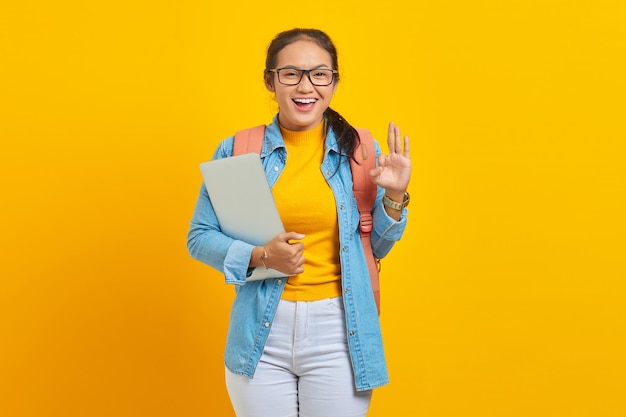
(292, 236)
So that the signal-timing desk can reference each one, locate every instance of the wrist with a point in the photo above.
(396, 201)
(395, 195)
(263, 256)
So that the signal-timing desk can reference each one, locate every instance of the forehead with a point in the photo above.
(303, 54)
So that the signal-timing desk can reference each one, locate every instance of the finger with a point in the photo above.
(382, 160)
(407, 149)
(375, 173)
(286, 237)
(397, 144)
(299, 265)
(297, 248)
(391, 138)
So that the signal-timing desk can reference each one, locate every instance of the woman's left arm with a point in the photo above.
(394, 172)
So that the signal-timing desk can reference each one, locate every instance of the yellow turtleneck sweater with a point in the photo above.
(307, 205)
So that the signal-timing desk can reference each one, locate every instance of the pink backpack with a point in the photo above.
(251, 140)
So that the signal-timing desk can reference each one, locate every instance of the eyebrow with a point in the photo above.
(315, 67)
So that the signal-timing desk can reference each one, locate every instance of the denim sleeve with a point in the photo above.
(386, 231)
(206, 242)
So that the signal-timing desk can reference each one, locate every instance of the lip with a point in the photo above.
(305, 104)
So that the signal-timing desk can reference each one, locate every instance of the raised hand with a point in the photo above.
(394, 170)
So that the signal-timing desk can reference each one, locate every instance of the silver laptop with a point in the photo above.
(243, 202)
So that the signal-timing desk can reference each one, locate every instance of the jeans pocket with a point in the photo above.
(335, 304)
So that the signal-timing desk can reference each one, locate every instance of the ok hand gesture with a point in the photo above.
(394, 170)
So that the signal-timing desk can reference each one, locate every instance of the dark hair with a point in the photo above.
(347, 136)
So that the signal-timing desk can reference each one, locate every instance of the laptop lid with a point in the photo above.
(243, 202)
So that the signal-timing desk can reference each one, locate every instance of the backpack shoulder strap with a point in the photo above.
(364, 161)
(365, 193)
(249, 140)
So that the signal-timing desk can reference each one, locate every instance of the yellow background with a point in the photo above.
(506, 296)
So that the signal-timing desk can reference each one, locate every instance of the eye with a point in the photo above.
(323, 76)
(290, 73)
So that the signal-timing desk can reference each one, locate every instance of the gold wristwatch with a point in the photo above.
(394, 204)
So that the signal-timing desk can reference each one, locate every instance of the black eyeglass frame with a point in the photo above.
(308, 74)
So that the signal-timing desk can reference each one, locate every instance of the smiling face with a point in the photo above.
(302, 106)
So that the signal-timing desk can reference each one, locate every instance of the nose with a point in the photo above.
(305, 84)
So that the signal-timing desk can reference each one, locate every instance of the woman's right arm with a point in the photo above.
(235, 258)
(206, 243)
(205, 240)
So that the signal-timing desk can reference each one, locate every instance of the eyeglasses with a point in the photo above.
(292, 76)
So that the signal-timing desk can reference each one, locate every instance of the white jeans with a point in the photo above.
(305, 369)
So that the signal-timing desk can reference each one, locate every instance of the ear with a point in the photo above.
(269, 83)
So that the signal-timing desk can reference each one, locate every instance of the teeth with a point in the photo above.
(305, 100)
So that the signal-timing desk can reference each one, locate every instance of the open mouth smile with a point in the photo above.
(305, 103)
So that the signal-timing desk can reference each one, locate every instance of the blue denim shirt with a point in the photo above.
(256, 301)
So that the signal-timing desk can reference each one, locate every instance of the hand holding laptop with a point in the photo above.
(285, 252)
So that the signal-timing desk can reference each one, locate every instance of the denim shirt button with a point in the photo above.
(344, 248)
(267, 324)
(280, 281)
(351, 332)
(347, 290)
(341, 207)
(276, 169)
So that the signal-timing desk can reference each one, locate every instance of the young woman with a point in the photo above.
(310, 344)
